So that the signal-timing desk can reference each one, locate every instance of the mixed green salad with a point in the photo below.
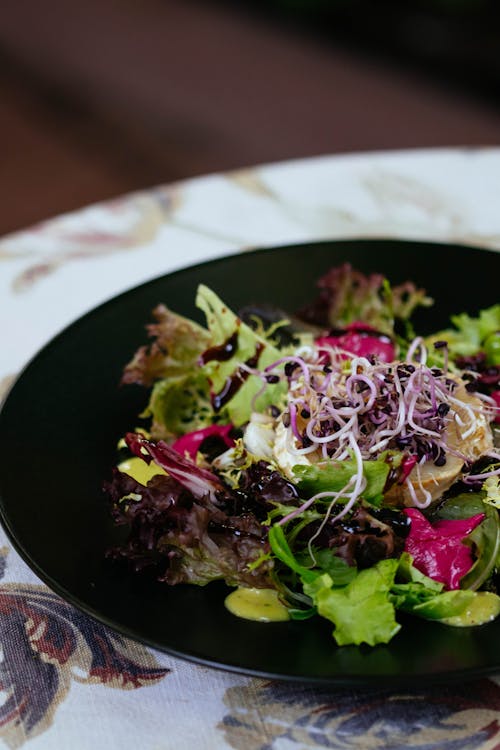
(331, 458)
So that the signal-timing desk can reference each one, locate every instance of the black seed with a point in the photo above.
(441, 458)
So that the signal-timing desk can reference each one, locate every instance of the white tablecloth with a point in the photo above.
(68, 682)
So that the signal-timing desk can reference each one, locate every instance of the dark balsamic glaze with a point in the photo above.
(235, 381)
(221, 352)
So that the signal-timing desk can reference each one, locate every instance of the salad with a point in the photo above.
(329, 462)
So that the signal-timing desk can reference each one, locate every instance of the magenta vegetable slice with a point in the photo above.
(192, 441)
(361, 340)
(438, 550)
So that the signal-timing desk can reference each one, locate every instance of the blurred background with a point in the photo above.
(102, 97)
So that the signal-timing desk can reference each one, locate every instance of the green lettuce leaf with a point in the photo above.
(358, 604)
(419, 595)
(408, 573)
(333, 476)
(181, 397)
(362, 605)
(441, 606)
(177, 345)
(492, 487)
(361, 611)
(339, 571)
(468, 334)
(179, 404)
(251, 347)
(281, 549)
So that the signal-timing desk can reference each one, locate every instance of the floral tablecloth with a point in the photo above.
(66, 681)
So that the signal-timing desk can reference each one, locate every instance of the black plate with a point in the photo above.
(58, 431)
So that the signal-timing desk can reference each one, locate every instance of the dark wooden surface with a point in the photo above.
(97, 99)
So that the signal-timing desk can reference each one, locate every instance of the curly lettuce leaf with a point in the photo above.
(184, 384)
(178, 343)
(358, 605)
(183, 537)
(492, 488)
(179, 404)
(466, 337)
(347, 295)
(361, 611)
(362, 605)
(252, 348)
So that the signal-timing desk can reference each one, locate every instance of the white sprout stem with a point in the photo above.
(412, 350)
(360, 362)
(487, 399)
(292, 448)
(459, 420)
(359, 396)
(400, 423)
(252, 371)
(334, 435)
(297, 511)
(409, 416)
(336, 497)
(379, 446)
(411, 489)
(295, 360)
(360, 483)
(483, 475)
(257, 395)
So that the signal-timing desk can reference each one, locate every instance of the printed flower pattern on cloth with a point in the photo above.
(127, 223)
(49, 652)
(45, 644)
(271, 716)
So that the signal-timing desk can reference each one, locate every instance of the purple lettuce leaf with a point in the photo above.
(347, 295)
(187, 525)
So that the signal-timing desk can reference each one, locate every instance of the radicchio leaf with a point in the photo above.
(200, 482)
(437, 550)
(203, 440)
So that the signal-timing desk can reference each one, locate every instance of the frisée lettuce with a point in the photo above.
(328, 472)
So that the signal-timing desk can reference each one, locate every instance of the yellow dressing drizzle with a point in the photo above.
(261, 605)
(139, 470)
(482, 609)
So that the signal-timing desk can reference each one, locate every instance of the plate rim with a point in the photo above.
(353, 680)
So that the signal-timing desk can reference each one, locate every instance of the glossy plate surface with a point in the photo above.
(61, 421)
